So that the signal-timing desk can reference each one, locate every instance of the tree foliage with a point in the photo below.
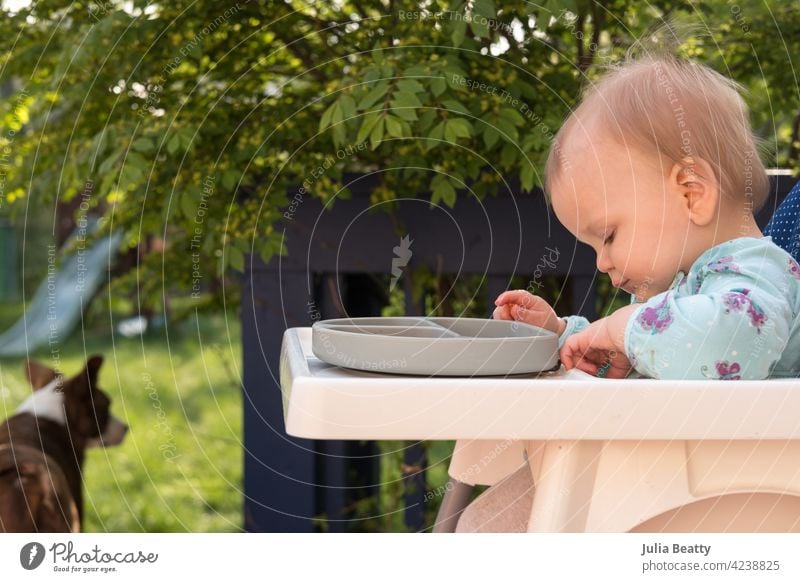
(200, 120)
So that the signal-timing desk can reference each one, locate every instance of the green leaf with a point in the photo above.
(143, 144)
(427, 119)
(508, 155)
(406, 113)
(453, 76)
(484, 8)
(415, 71)
(438, 86)
(339, 134)
(454, 105)
(189, 200)
(376, 135)
(337, 114)
(513, 116)
(405, 99)
(445, 192)
(393, 126)
(507, 130)
(375, 94)
(337, 127)
(459, 30)
(174, 144)
(372, 74)
(131, 174)
(325, 120)
(479, 25)
(377, 54)
(369, 122)
(135, 166)
(99, 142)
(490, 136)
(266, 252)
(187, 136)
(455, 128)
(410, 86)
(236, 258)
(136, 159)
(435, 135)
(111, 161)
(230, 178)
(526, 176)
(348, 105)
(534, 141)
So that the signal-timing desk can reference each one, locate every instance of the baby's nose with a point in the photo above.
(603, 263)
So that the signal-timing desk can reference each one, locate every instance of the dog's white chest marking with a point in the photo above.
(46, 402)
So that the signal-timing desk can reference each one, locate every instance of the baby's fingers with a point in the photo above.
(567, 355)
(574, 354)
(502, 312)
(519, 296)
(586, 366)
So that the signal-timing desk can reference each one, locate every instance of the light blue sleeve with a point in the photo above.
(734, 325)
(575, 323)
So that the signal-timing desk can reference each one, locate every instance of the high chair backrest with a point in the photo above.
(784, 226)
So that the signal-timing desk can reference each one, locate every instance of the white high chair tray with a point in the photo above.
(328, 402)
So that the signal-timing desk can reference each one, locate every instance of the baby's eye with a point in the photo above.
(610, 238)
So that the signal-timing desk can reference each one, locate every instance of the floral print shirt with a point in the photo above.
(734, 316)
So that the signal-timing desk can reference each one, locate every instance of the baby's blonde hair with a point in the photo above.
(679, 109)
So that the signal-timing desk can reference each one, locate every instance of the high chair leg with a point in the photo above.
(475, 462)
(454, 502)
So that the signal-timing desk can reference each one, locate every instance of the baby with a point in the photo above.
(657, 171)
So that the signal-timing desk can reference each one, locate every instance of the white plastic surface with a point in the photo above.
(327, 402)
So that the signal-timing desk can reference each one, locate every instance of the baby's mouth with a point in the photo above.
(625, 286)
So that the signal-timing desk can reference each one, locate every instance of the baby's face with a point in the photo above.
(620, 203)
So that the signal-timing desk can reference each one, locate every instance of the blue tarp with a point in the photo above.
(61, 298)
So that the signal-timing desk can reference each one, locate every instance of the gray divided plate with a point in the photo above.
(435, 346)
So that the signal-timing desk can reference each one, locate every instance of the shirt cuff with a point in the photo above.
(575, 323)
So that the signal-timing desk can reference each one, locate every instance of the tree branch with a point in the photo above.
(579, 39)
(598, 20)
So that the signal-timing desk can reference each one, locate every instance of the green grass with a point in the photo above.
(180, 467)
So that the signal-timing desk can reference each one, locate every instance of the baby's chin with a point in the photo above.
(645, 292)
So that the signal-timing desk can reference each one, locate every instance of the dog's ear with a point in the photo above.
(93, 367)
(82, 384)
(81, 401)
(38, 374)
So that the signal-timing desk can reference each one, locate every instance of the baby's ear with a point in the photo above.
(697, 184)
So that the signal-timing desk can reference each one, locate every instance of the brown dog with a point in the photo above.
(42, 449)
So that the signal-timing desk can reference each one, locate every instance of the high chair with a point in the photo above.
(737, 471)
(604, 455)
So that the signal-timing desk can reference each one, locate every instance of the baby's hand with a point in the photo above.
(601, 343)
(519, 305)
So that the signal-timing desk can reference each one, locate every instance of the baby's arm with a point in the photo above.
(735, 327)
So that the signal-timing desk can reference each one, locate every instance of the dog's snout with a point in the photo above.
(114, 434)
